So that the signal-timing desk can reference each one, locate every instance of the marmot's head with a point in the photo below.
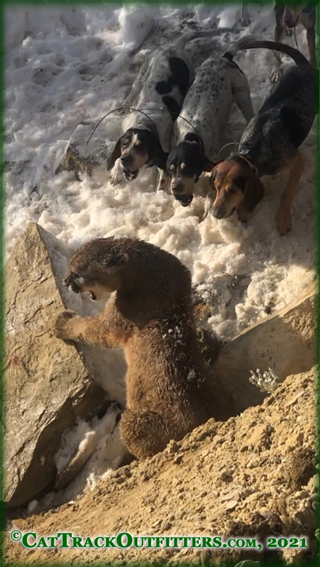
(128, 266)
(94, 268)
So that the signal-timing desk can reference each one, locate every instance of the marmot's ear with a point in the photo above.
(116, 261)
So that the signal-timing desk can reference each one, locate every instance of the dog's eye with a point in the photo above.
(125, 143)
(232, 191)
(240, 182)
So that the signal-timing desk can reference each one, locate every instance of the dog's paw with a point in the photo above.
(61, 325)
(116, 175)
(209, 200)
(283, 221)
(164, 183)
(275, 73)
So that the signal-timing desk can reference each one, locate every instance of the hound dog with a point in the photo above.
(270, 142)
(204, 116)
(160, 87)
(288, 17)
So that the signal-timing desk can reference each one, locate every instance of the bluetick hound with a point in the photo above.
(198, 132)
(270, 142)
(288, 17)
(160, 87)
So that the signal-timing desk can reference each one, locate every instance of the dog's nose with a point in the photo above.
(125, 160)
(178, 188)
(217, 213)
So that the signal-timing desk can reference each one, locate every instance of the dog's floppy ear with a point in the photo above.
(207, 164)
(156, 154)
(253, 190)
(114, 155)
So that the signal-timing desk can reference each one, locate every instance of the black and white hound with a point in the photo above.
(196, 142)
(159, 89)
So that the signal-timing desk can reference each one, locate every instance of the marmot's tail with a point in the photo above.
(251, 42)
(190, 35)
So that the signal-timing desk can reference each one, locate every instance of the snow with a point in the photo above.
(65, 65)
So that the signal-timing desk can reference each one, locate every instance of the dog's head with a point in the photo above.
(137, 147)
(95, 267)
(235, 183)
(185, 164)
(291, 14)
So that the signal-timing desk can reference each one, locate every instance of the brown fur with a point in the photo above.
(237, 188)
(149, 314)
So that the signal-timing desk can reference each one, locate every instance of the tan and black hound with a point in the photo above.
(270, 143)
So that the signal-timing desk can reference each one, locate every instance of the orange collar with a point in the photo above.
(252, 167)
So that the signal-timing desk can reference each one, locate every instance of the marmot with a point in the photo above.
(149, 314)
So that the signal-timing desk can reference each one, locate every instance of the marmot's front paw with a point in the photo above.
(61, 325)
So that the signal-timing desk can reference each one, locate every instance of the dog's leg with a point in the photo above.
(245, 18)
(283, 217)
(90, 330)
(311, 39)
(163, 182)
(144, 434)
(242, 98)
(116, 174)
(276, 71)
(209, 200)
(154, 174)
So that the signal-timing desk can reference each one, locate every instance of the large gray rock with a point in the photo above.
(89, 148)
(47, 385)
(285, 342)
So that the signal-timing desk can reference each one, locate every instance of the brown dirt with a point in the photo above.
(251, 476)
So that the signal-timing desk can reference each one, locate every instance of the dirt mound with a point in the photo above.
(253, 476)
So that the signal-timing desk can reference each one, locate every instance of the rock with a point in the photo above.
(82, 156)
(285, 342)
(264, 501)
(47, 385)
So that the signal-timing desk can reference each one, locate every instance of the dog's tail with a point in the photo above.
(194, 34)
(251, 42)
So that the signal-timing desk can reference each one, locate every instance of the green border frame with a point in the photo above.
(116, 4)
